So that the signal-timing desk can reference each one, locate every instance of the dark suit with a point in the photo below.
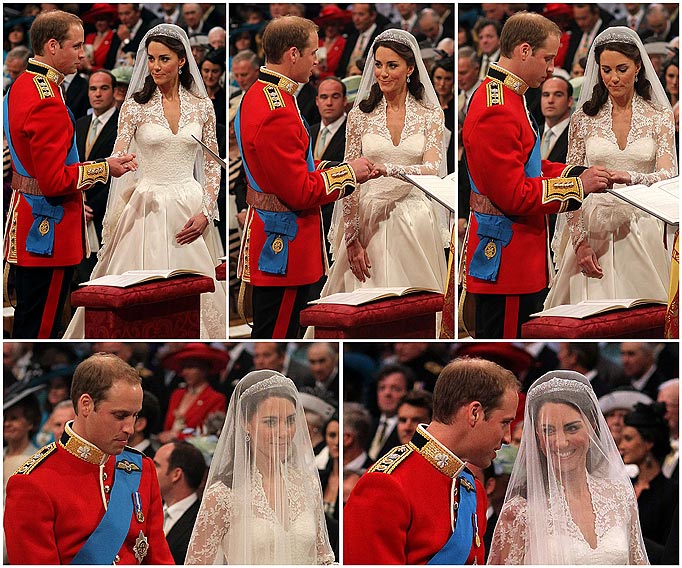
(134, 42)
(560, 147)
(178, 536)
(350, 46)
(307, 105)
(76, 97)
(96, 196)
(389, 443)
(576, 37)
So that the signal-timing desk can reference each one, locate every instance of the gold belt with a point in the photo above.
(24, 184)
(481, 204)
(265, 201)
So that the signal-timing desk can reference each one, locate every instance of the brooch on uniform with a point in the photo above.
(141, 547)
(490, 250)
(277, 245)
(127, 466)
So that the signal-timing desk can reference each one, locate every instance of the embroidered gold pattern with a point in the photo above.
(335, 179)
(561, 189)
(494, 94)
(36, 459)
(490, 250)
(44, 88)
(391, 460)
(273, 96)
(92, 173)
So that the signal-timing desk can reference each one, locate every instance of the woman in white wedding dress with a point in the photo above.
(387, 233)
(263, 499)
(608, 248)
(161, 216)
(569, 498)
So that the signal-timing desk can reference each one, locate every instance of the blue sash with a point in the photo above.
(458, 546)
(47, 211)
(274, 260)
(108, 538)
(495, 231)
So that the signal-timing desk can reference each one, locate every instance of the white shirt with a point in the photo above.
(557, 130)
(173, 513)
(357, 463)
(106, 115)
(640, 383)
(333, 126)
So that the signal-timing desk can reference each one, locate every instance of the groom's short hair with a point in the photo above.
(284, 33)
(466, 380)
(526, 27)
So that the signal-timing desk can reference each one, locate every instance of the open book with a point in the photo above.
(661, 199)
(132, 277)
(588, 308)
(366, 295)
(442, 190)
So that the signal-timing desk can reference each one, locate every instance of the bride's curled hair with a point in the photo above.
(186, 80)
(600, 93)
(415, 86)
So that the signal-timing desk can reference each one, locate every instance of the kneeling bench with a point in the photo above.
(160, 309)
(643, 322)
(411, 316)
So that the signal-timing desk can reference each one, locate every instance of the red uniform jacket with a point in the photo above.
(402, 515)
(498, 140)
(42, 134)
(208, 401)
(54, 503)
(274, 146)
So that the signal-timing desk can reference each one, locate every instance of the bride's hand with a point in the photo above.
(192, 230)
(587, 261)
(378, 171)
(358, 260)
(620, 177)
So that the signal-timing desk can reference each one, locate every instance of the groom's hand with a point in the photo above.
(595, 179)
(362, 168)
(119, 165)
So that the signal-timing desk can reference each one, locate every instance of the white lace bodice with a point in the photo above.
(616, 522)
(147, 127)
(298, 539)
(419, 151)
(649, 156)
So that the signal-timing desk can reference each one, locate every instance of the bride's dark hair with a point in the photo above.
(600, 93)
(176, 46)
(415, 86)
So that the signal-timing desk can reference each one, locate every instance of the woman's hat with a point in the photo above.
(352, 85)
(507, 355)
(100, 12)
(216, 359)
(622, 400)
(332, 14)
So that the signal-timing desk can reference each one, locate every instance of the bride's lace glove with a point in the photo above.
(192, 230)
(587, 260)
(358, 260)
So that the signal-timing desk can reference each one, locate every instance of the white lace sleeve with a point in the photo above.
(211, 526)
(432, 123)
(510, 538)
(129, 118)
(659, 123)
(576, 157)
(636, 553)
(351, 211)
(209, 202)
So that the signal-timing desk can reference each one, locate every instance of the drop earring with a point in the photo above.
(408, 78)
(180, 71)
(248, 437)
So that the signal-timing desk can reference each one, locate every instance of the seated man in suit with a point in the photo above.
(131, 29)
(360, 39)
(555, 103)
(95, 137)
(180, 468)
(329, 141)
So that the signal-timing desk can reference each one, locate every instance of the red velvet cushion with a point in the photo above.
(220, 271)
(644, 322)
(147, 293)
(411, 316)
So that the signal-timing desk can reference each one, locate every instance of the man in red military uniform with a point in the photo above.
(419, 504)
(283, 246)
(88, 498)
(44, 238)
(512, 188)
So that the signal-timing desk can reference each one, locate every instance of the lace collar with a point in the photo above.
(607, 110)
(507, 78)
(40, 68)
(436, 453)
(157, 100)
(80, 447)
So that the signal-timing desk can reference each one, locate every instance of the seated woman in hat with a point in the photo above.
(102, 44)
(192, 403)
(332, 21)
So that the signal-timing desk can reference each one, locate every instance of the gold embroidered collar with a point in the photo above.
(507, 78)
(80, 447)
(40, 68)
(269, 76)
(436, 453)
